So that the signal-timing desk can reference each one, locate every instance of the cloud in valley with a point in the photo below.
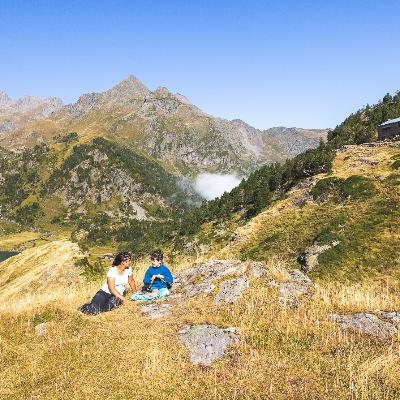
(211, 186)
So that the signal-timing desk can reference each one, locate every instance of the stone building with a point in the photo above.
(389, 129)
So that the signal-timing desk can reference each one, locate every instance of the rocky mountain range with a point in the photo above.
(159, 124)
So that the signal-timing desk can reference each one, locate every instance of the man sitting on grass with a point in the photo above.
(157, 279)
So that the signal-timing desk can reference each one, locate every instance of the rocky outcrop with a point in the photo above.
(309, 259)
(231, 289)
(162, 124)
(207, 343)
(365, 323)
(156, 310)
(290, 291)
(31, 106)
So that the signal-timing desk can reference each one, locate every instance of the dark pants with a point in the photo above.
(101, 302)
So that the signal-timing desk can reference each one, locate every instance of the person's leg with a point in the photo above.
(98, 303)
(153, 293)
(113, 302)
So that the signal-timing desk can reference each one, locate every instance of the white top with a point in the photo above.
(120, 280)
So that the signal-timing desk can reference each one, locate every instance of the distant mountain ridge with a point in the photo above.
(159, 124)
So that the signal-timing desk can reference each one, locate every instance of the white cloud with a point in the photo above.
(211, 186)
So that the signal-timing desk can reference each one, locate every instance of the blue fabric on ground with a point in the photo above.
(140, 296)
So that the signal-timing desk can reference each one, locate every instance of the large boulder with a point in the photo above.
(199, 280)
(365, 323)
(206, 343)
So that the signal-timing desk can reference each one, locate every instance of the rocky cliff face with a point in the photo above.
(294, 141)
(164, 125)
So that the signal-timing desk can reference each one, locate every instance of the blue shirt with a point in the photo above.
(158, 283)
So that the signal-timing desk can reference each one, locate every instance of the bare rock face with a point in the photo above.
(309, 259)
(230, 290)
(365, 323)
(206, 343)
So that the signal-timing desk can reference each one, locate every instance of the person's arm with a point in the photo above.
(147, 277)
(132, 283)
(113, 291)
(168, 275)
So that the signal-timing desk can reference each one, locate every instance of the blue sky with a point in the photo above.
(270, 63)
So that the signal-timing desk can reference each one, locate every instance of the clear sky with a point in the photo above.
(270, 63)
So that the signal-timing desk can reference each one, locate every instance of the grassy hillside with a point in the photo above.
(358, 204)
(283, 353)
(98, 191)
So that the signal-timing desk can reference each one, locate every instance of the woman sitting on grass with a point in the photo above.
(111, 294)
(157, 279)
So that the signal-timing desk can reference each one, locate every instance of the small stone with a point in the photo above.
(231, 329)
(41, 329)
(156, 310)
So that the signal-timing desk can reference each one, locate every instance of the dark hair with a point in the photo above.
(157, 255)
(121, 257)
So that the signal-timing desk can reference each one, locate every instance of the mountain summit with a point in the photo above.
(163, 125)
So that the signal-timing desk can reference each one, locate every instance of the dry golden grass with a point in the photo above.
(10, 242)
(283, 354)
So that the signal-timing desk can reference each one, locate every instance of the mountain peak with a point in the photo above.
(5, 100)
(128, 86)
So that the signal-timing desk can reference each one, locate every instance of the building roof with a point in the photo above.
(391, 121)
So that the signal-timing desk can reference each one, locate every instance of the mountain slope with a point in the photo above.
(165, 126)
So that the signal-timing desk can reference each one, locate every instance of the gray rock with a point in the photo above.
(258, 269)
(213, 269)
(309, 259)
(206, 343)
(196, 289)
(156, 310)
(237, 238)
(299, 277)
(198, 279)
(392, 316)
(41, 329)
(365, 323)
(289, 292)
(230, 290)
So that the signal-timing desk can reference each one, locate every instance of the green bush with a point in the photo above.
(330, 185)
(357, 187)
(396, 164)
(27, 215)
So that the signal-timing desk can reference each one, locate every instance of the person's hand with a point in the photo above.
(159, 276)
